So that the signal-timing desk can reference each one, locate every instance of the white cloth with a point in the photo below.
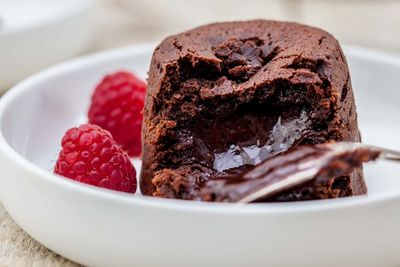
(17, 248)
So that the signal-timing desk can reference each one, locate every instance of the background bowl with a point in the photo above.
(38, 33)
(98, 227)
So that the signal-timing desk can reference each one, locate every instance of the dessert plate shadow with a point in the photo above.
(99, 227)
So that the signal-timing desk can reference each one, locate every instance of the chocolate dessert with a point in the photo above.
(226, 96)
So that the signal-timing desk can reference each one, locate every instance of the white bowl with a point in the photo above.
(104, 228)
(38, 33)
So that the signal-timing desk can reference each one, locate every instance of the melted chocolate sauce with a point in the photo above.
(283, 135)
(248, 137)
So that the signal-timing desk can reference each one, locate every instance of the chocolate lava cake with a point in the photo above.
(226, 96)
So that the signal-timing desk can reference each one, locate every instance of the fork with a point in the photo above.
(284, 171)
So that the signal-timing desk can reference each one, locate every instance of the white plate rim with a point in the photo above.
(272, 208)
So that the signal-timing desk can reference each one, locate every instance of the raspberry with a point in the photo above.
(90, 155)
(117, 104)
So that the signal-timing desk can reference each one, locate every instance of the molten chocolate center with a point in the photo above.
(248, 137)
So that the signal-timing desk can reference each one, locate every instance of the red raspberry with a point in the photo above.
(117, 105)
(90, 155)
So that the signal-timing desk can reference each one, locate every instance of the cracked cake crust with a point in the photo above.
(231, 84)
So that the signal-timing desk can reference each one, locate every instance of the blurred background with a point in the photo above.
(35, 34)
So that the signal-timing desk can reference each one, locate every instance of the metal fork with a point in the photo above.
(309, 169)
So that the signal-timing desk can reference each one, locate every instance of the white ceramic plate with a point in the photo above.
(38, 33)
(104, 228)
